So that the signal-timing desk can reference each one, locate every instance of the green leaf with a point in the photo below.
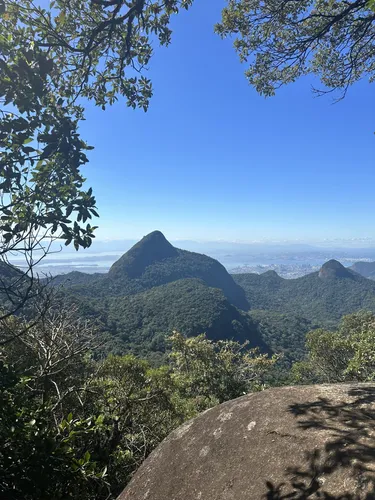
(60, 19)
(99, 420)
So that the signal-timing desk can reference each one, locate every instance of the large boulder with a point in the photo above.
(306, 442)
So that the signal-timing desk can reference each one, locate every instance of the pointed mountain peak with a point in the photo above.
(151, 248)
(334, 269)
(156, 237)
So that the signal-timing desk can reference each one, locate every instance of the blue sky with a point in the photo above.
(211, 159)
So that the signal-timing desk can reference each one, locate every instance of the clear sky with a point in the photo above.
(211, 159)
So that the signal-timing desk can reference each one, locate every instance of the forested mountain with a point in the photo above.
(366, 269)
(155, 288)
(142, 320)
(322, 297)
(152, 262)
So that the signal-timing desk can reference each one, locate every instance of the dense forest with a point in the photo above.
(179, 290)
(96, 370)
(322, 297)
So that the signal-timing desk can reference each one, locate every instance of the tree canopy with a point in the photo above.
(73, 427)
(282, 40)
(347, 353)
(52, 59)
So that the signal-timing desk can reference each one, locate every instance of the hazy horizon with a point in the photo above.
(289, 258)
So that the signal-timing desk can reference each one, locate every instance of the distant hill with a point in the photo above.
(152, 262)
(322, 297)
(151, 249)
(366, 269)
(155, 288)
(76, 278)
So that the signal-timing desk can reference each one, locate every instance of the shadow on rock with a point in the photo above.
(349, 447)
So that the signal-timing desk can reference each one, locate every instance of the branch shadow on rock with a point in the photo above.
(350, 450)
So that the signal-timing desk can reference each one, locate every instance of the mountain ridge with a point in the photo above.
(365, 269)
(322, 297)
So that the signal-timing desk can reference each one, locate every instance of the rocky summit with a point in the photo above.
(334, 269)
(306, 442)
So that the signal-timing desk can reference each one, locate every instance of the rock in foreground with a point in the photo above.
(305, 442)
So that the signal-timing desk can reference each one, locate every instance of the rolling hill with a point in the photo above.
(322, 297)
(366, 269)
(155, 288)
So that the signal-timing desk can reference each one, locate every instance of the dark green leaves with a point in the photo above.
(49, 59)
(282, 40)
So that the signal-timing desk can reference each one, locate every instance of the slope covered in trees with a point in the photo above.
(366, 269)
(322, 297)
(139, 323)
(155, 289)
(188, 306)
(283, 333)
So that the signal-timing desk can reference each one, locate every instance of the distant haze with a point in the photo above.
(289, 259)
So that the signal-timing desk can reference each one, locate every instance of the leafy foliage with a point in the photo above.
(41, 152)
(84, 434)
(345, 354)
(283, 40)
(44, 449)
(51, 60)
(214, 372)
